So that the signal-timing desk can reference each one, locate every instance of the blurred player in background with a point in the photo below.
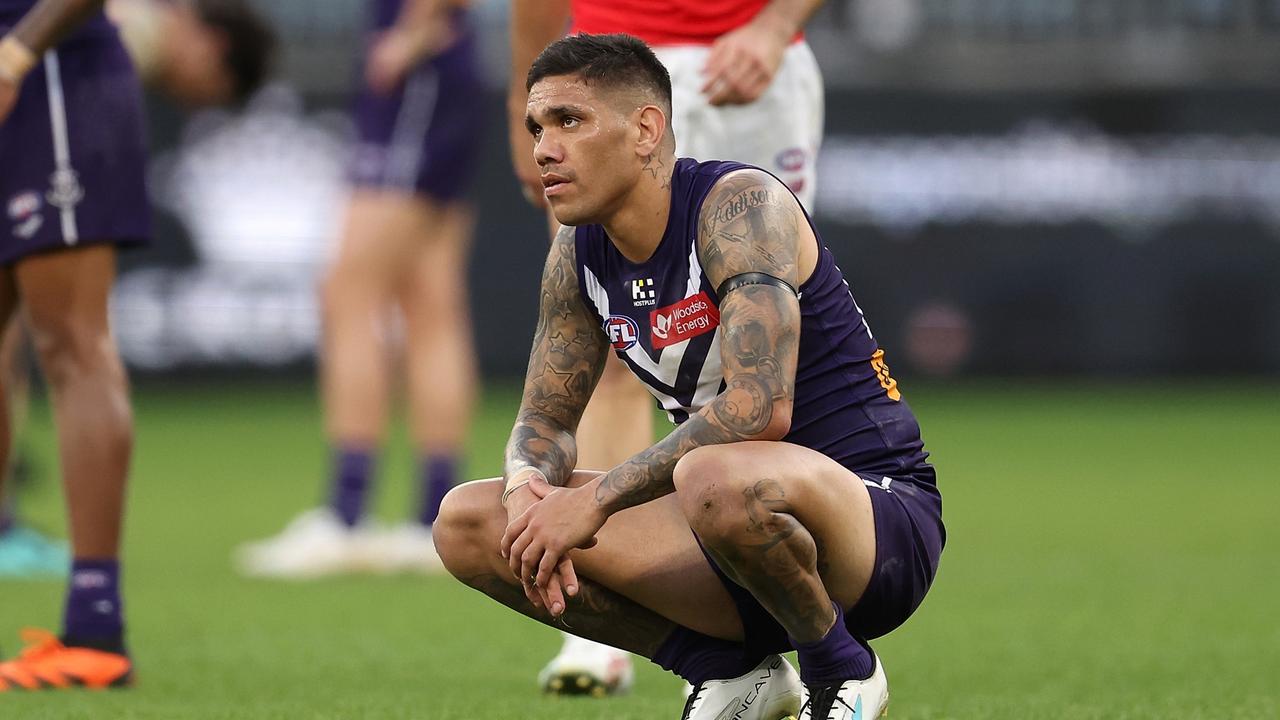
(200, 53)
(400, 267)
(746, 87)
(72, 149)
(71, 144)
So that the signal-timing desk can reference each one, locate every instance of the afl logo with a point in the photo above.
(622, 331)
(791, 160)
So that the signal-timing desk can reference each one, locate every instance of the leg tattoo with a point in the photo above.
(597, 613)
(777, 560)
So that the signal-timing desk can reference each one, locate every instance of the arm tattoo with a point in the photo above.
(749, 223)
(566, 361)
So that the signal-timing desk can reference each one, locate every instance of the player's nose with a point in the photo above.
(547, 150)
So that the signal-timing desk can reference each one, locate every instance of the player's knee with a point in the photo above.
(707, 486)
(464, 531)
(68, 348)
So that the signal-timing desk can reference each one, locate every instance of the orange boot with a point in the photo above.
(47, 664)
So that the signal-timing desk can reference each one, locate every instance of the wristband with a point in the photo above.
(507, 493)
(16, 59)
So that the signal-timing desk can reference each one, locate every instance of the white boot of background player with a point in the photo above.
(315, 544)
(584, 667)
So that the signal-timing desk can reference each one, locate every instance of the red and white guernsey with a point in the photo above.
(664, 22)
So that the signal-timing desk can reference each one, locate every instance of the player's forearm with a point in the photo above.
(543, 446)
(534, 25)
(562, 374)
(787, 17)
(750, 408)
(564, 366)
(50, 21)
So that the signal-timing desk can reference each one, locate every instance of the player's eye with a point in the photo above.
(569, 122)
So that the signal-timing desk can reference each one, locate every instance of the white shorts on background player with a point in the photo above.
(780, 132)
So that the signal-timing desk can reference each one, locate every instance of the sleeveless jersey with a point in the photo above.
(662, 317)
(95, 27)
(664, 22)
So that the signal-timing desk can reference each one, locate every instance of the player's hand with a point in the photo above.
(522, 162)
(8, 96)
(396, 52)
(742, 64)
(518, 503)
(537, 543)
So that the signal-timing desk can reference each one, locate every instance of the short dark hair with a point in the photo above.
(251, 43)
(617, 60)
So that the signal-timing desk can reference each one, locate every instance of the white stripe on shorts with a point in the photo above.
(410, 132)
(63, 175)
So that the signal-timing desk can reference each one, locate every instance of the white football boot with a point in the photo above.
(315, 544)
(407, 547)
(584, 667)
(853, 700)
(771, 691)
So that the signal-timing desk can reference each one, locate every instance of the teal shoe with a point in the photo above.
(25, 553)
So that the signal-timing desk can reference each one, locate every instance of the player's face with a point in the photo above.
(582, 143)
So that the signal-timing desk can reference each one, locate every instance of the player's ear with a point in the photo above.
(652, 124)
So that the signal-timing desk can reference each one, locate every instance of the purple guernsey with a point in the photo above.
(662, 317)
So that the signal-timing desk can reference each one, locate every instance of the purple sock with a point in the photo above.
(835, 658)
(352, 471)
(6, 517)
(698, 658)
(93, 615)
(437, 476)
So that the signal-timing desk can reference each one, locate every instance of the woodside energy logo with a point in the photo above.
(688, 318)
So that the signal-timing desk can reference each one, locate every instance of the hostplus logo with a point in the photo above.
(643, 292)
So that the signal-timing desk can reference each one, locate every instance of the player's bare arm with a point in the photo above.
(40, 29)
(750, 223)
(534, 25)
(51, 20)
(423, 29)
(743, 62)
(568, 355)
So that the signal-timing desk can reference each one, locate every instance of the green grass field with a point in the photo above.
(1112, 554)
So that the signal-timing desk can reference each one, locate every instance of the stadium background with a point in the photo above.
(1063, 220)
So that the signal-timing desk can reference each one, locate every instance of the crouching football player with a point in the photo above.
(792, 507)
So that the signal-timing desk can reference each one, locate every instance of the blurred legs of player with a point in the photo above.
(438, 344)
(24, 552)
(399, 279)
(64, 296)
(401, 266)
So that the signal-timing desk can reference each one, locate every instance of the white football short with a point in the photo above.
(780, 131)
